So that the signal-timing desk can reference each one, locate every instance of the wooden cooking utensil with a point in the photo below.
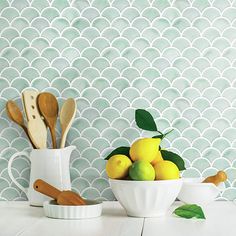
(48, 107)
(221, 176)
(67, 116)
(38, 133)
(14, 113)
(36, 127)
(67, 198)
(29, 97)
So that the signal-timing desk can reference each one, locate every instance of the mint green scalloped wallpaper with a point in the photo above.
(175, 58)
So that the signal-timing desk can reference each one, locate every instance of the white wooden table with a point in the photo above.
(18, 219)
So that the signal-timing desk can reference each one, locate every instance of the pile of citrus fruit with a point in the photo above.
(143, 162)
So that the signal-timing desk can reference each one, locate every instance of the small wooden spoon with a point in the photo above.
(15, 114)
(67, 116)
(48, 107)
(221, 176)
(67, 198)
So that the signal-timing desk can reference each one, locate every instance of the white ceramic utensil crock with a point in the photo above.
(51, 165)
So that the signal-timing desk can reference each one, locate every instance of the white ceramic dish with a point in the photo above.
(195, 192)
(91, 210)
(146, 198)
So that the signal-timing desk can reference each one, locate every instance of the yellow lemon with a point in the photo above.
(145, 149)
(117, 166)
(165, 170)
(157, 158)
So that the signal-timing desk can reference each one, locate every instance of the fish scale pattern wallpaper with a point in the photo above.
(175, 58)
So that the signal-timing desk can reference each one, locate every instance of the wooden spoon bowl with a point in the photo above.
(15, 114)
(67, 116)
(48, 107)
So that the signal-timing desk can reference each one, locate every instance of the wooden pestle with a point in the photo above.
(216, 179)
(67, 198)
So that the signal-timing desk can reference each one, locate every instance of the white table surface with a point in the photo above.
(220, 221)
(19, 219)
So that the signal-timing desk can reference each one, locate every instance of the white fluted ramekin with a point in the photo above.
(146, 198)
(91, 210)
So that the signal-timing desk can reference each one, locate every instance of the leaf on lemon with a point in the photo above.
(165, 134)
(119, 150)
(175, 158)
(144, 120)
(189, 211)
(161, 136)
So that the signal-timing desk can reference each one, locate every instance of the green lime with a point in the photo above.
(142, 170)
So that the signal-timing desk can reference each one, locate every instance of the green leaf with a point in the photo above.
(168, 132)
(171, 156)
(189, 211)
(119, 150)
(144, 120)
(161, 135)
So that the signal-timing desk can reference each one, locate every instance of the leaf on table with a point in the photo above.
(189, 211)
(144, 120)
(175, 158)
(119, 150)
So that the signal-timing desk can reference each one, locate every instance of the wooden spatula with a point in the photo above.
(36, 127)
(221, 176)
(67, 116)
(48, 107)
(67, 198)
(29, 97)
(15, 114)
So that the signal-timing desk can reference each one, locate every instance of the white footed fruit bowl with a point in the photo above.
(146, 198)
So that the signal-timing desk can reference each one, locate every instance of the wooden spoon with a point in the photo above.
(48, 108)
(221, 176)
(14, 113)
(67, 116)
(68, 198)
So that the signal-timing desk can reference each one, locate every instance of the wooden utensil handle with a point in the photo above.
(46, 189)
(53, 135)
(216, 179)
(26, 132)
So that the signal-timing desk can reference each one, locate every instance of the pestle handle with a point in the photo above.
(46, 189)
(216, 179)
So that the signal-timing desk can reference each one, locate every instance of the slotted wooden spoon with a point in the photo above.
(67, 116)
(36, 127)
(48, 107)
(67, 197)
(15, 114)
